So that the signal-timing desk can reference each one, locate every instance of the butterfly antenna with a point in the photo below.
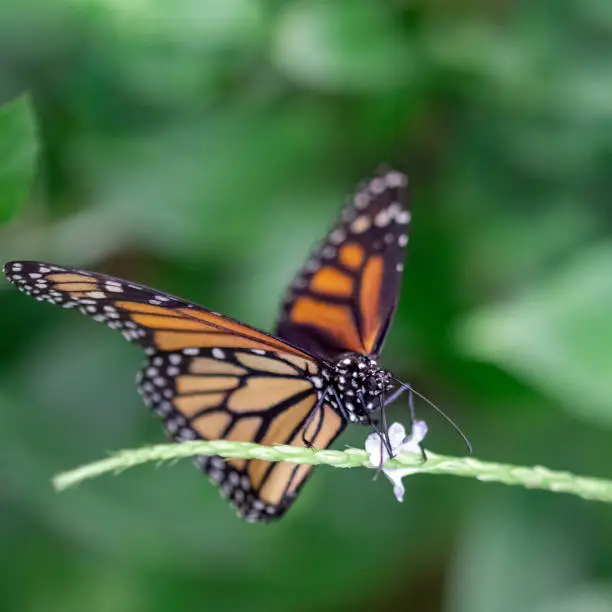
(411, 406)
(406, 387)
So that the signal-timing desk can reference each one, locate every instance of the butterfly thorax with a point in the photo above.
(359, 385)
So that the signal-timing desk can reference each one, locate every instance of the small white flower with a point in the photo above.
(400, 443)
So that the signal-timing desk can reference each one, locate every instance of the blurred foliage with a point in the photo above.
(201, 147)
(17, 156)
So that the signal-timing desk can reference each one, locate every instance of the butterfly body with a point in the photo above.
(361, 384)
(211, 377)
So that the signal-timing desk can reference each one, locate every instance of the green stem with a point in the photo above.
(537, 477)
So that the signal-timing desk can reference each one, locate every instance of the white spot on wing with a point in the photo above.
(312, 265)
(403, 217)
(383, 218)
(317, 382)
(337, 236)
(361, 200)
(377, 185)
(328, 252)
(396, 179)
(361, 224)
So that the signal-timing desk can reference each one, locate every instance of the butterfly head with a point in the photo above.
(361, 385)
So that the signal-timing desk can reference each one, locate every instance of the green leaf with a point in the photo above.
(18, 147)
(557, 336)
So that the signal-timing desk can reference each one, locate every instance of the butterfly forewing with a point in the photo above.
(148, 317)
(345, 296)
(209, 377)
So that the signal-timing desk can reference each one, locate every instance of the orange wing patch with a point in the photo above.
(265, 364)
(220, 324)
(202, 384)
(282, 428)
(281, 432)
(332, 281)
(285, 478)
(70, 277)
(351, 255)
(198, 323)
(303, 365)
(212, 425)
(245, 429)
(73, 288)
(260, 393)
(168, 322)
(175, 341)
(320, 434)
(335, 320)
(75, 285)
(369, 298)
(190, 405)
(144, 308)
(207, 365)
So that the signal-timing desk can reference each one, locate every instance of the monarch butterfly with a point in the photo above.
(212, 377)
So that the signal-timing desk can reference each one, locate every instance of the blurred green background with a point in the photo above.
(201, 147)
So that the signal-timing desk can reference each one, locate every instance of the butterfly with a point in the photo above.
(211, 377)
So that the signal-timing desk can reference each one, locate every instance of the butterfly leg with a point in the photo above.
(385, 428)
(411, 408)
(382, 433)
(309, 420)
(411, 405)
(384, 441)
(396, 394)
(344, 413)
(412, 421)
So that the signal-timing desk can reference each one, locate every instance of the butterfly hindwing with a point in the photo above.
(345, 296)
(246, 395)
(209, 377)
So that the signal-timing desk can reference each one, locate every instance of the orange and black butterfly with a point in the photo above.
(210, 377)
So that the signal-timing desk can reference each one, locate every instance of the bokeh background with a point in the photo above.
(201, 147)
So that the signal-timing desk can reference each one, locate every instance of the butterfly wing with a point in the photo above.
(344, 298)
(209, 377)
(155, 320)
(269, 397)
